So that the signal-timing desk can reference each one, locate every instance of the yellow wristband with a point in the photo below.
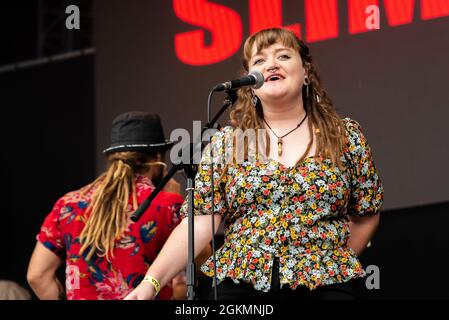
(154, 282)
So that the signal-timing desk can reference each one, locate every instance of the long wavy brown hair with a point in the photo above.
(328, 124)
(109, 205)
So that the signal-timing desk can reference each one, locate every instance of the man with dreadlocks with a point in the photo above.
(106, 254)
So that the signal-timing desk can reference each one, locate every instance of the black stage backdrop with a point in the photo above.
(48, 149)
(393, 80)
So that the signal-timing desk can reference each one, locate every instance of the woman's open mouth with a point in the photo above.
(274, 77)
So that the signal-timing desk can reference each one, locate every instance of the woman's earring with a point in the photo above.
(306, 80)
(306, 83)
(254, 99)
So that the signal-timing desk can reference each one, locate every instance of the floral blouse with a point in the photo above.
(134, 252)
(297, 214)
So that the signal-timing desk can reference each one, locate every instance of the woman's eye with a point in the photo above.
(258, 61)
(284, 57)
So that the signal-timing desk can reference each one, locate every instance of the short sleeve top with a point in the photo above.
(297, 214)
(99, 278)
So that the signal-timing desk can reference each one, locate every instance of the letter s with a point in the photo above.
(224, 24)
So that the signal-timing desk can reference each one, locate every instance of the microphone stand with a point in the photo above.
(190, 170)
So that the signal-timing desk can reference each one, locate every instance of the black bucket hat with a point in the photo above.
(137, 131)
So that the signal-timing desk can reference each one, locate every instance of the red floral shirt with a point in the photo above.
(134, 252)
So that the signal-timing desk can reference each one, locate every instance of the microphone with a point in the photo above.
(254, 79)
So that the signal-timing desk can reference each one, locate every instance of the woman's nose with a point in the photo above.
(272, 65)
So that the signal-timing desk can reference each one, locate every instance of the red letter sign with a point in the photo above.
(321, 20)
(432, 9)
(357, 15)
(266, 14)
(399, 11)
(223, 23)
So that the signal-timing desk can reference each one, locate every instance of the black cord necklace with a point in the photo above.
(281, 137)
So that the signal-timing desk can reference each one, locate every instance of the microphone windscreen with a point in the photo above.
(259, 78)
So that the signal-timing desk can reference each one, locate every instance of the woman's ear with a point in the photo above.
(306, 67)
(306, 70)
